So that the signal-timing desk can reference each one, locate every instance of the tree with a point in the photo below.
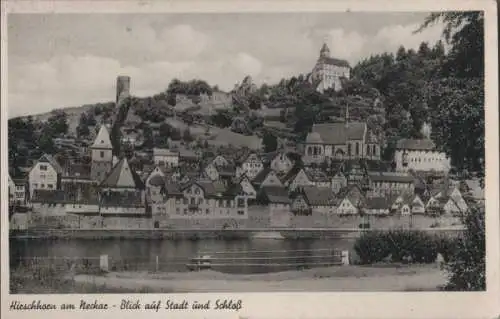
(270, 142)
(464, 30)
(467, 266)
(186, 136)
(148, 137)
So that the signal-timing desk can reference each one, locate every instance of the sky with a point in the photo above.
(67, 60)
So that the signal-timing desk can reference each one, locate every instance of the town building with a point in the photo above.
(389, 183)
(122, 192)
(339, 181)
(249, 165)
(309, 177)
(378, 206)
(45, 174)
(101, 155)
(278, 204)
(165, 157)
(311, 200)
(420, 155)
(328, 71)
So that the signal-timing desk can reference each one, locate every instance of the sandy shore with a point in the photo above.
(348, 278)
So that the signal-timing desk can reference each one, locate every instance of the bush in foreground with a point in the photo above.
(467, 265)
(401, 246)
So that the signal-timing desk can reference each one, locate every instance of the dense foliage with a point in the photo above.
(467, 264)
(401, 246)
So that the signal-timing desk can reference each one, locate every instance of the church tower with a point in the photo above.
(324, 52)
(102, 155)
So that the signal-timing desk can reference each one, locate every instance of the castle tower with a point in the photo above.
(102, 155)
(325, 51)
(122, 89)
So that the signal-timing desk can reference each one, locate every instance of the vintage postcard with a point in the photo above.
(250, 159)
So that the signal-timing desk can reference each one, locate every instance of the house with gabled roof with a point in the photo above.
(207, 200)
(246, 186)
(267, 177)
(408, 203)
(349, 200)
(249, 164)
(122, 192)
(311, 199)
(45, 174)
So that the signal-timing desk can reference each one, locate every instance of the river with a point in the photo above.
(241, 256)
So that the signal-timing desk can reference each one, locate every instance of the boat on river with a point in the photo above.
(200, 263)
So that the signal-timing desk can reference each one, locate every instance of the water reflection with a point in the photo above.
(231, 256)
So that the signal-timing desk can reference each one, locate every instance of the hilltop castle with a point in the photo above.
(328, 71)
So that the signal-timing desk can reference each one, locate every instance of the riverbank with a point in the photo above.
(341, 278)
(195, 234)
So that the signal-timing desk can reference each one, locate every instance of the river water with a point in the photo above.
(242, 256)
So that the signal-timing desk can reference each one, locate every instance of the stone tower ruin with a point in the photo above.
(122, 89)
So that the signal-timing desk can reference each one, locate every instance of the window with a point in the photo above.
(357, 148)
(207, 211)
(200, 201)
(197, 191)
(348, 149)
(50, 186)
(193, 201)
(102, 154)
(185, 211)
(178, 211)
(368, 150)
(43, 167)
(240, 212)
(42, 185)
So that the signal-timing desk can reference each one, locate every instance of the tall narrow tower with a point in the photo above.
(122, 89)
(102, 155)
(325, 51)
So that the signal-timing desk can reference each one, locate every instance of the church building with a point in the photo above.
(328, 71)
(339, 141)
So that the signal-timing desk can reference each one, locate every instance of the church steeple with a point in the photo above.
(325, 51)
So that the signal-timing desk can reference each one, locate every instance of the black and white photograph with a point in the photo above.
(245, 152)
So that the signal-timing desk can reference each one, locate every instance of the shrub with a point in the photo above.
(401, 246)
(466, 265)
(371, 247)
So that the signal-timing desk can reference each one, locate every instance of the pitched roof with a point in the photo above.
(119, 199)
(276, 194)
(377, 203)
(339, 133)
(157, 180)
(391, 177)
(334, 61)
(417, 145)
(123, 176)
(47, 158)
(172, 189)
(318, 196)
(261, 176)
(78, 171)
(316, 175)
(102, 140)
(290, 175)
(164, 152)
